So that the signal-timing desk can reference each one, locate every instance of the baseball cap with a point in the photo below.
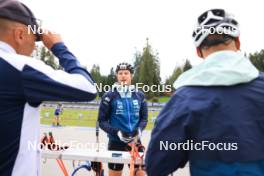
(16, 11)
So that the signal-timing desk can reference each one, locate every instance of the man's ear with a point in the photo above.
(237, 43)
(18, 35)
(199, 52)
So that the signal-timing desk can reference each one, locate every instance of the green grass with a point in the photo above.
(71, 117)
(164, 99)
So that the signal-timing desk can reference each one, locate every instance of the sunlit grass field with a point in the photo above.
(83, 118)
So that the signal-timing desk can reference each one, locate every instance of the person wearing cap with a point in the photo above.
(215, 119)
(26, 82)
(123, 114)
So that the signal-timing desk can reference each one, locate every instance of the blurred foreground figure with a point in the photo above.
(215, 119)
(26, 82)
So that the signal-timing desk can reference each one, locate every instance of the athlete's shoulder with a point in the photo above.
(110, 95)
(140, 94)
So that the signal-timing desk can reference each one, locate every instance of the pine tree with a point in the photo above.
(137, 63)
(257, 60)
(47, 57)
(176, 73)
(111, 78)
(95, 73)
(187, 65)
(149, 69)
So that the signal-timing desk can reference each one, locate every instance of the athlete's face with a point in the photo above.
(124, 77)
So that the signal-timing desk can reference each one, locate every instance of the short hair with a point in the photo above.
(215, 39)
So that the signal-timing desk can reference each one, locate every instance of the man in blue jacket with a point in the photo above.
(215, 119)
(122, 113)
(26, 82)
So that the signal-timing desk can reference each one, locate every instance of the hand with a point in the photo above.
(50, 38)
(125, 137)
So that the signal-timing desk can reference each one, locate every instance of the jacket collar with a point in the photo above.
(223, 68)
(5, 47)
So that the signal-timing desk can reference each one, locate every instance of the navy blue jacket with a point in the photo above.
(24, 84)
(125, 114)
(219, 114)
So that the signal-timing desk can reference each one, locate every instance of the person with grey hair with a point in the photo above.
(26, 82)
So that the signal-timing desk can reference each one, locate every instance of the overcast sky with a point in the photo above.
(107, 32)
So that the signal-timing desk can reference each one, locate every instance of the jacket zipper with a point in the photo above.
(128, 115)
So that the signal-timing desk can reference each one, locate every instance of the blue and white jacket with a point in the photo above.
(221, 102)
(25, 82)
(58, 111)
(125, 113)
